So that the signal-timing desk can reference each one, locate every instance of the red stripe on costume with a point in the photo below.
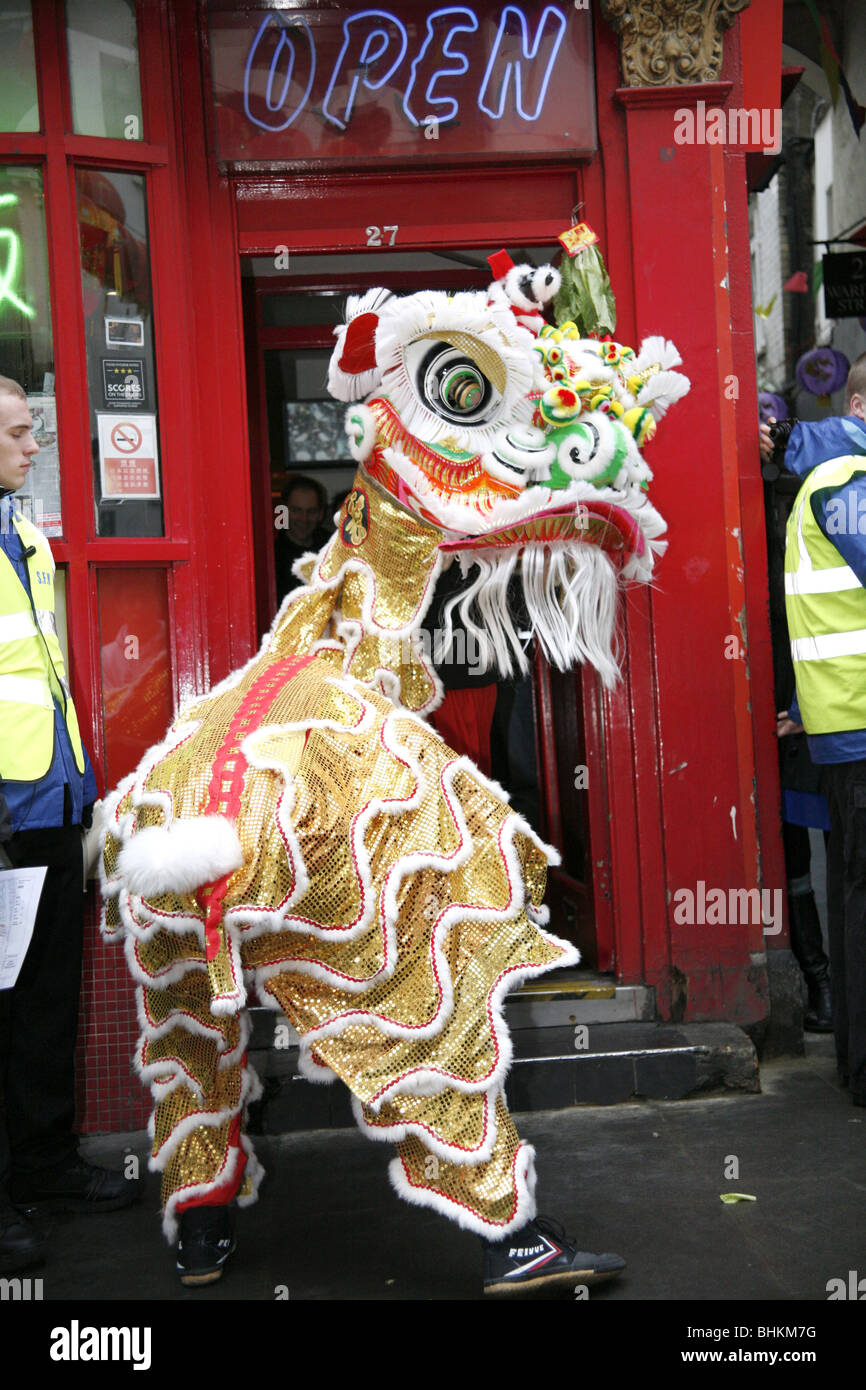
(227, 778)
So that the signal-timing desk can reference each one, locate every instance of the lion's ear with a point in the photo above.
(352, 371)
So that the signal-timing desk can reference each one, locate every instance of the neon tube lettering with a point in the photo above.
(502, 70)
(9, 272)
(285, 41)
(450, 105)
(376, 38)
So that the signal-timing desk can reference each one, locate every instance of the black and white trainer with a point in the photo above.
(206, 1241)
(541, 1257)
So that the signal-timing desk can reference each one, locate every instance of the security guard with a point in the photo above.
(825, 598)
(47, 790)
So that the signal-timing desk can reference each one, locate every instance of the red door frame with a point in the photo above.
(658, 808)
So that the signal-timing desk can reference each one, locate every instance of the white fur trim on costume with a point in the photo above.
(251, 1090)
(314, 1071)
(180, 1018)
(391, 806)
(524, 1185)
(180, 857)
(368, 605)
(253, 1171)
(449, 1153)
(352, 634)
(510, 979)
(161, 979)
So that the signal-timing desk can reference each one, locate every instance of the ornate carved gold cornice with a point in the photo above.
(668, 42)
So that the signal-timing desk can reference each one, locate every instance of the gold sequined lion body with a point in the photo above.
(303, 838)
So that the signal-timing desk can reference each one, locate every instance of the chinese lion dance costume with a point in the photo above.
(305, 836)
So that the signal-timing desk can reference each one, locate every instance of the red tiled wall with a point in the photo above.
(110, 1097)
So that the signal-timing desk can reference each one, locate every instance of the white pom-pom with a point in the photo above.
(360, 428)
(179, 857)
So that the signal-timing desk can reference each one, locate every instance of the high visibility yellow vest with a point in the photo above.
(826, 607)
(32, 669)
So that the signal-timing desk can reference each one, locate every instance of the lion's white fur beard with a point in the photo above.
(570, 594)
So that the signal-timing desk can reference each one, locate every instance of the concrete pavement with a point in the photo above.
(643, 1179)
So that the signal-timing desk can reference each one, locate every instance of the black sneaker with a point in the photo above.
(21, 1245)
(206, 1240)
(540, 1256)
(75, 1186)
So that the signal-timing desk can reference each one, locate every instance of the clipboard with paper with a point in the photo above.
(20, 892)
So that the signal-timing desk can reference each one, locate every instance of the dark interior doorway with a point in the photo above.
(296, 428)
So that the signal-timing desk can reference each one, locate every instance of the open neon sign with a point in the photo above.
(441, 81)
(10, 270)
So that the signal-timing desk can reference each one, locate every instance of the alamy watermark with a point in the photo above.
(733, 125)
(846, 516)
(854, 1288)
(703, 906)
(444, 647)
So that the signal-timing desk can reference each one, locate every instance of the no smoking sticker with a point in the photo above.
(128, 459)
(126, 438)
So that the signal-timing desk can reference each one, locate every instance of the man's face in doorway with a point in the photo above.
(17, 445)
(305, 513)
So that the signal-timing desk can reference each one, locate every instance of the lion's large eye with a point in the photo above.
(454, 386)
(457, 377)
(461, 388)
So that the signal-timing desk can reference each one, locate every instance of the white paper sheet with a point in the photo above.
(20, 891)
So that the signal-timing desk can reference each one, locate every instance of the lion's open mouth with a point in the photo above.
(602, 524)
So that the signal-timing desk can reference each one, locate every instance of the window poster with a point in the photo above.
(39, 498)
(123, 382)
(128, 460)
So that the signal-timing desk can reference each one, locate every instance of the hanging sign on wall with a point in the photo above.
(845, 285)
(406, 82)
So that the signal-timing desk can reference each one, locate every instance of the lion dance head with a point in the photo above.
(487, 439)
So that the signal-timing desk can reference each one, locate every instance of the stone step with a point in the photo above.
(554, 1068)
(606, 1063)
(578, 996)
(560, 999)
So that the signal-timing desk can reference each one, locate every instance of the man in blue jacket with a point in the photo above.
(47, 790)
(825, 598)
